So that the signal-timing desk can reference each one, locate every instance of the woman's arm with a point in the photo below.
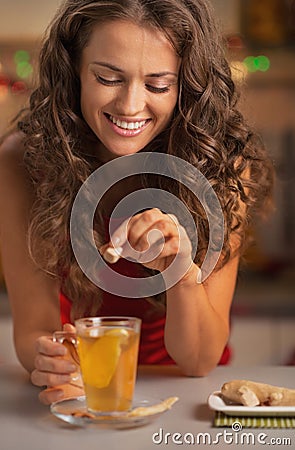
(34, 296)
(197, 321)
(197, 317)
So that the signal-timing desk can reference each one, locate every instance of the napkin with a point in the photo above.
(224, 420)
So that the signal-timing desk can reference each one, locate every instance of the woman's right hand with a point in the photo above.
(53, 371)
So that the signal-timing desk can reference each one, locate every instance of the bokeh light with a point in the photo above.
(4, 87)
(257, 63)
(24, 69)
(19, 87)
(21, 56)
(23, 66)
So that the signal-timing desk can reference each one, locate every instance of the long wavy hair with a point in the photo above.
(206, 130)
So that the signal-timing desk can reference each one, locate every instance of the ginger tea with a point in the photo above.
(108, 352)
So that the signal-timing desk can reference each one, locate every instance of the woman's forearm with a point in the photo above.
(195, 334)
(25, 347)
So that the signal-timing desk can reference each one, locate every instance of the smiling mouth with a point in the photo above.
(130, 125)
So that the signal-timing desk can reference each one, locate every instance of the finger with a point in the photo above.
(145, 232)
(112, 253)
(157, 234)
(103, 248)
(121, 235)
(145, 223)
(72, 390)
(174, 218)
(147, 236)
(160, 255)
(39, 378)
(56, 365)
(51, 395)
(46, 346)
(54, 394)
(69, 327)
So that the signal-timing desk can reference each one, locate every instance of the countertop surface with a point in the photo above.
(28, 425)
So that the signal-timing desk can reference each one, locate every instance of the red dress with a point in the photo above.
(152, 349)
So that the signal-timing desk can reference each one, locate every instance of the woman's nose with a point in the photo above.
(130, 100)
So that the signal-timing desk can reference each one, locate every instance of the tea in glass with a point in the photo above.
(108, 353)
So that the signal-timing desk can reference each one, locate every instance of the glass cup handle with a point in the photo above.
(69, 340)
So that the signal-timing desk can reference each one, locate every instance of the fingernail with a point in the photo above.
(116, 241)
(199, 277)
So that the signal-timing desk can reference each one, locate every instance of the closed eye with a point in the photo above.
(151, 88)
(157, 90)
(107, 82)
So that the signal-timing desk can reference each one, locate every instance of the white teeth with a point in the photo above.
(127, 125)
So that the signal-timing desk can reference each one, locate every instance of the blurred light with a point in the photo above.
(22, 61)
(257, 63)
(250, 64)
(263, 63)
(24, 69)
(21, 56)
(4, 81)
(19, 87)
(235, 41)
(239, 71)
(4, 90)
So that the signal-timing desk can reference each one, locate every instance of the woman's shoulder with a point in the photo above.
(12, 148)
(13, 174)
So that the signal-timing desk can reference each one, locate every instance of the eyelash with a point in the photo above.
(155, 90)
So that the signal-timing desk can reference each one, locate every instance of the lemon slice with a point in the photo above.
(117, 332)
(99, 359)
(120, 333)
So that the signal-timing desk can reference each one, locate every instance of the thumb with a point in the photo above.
(69, 327)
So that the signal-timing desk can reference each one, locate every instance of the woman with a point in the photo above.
(119, 77)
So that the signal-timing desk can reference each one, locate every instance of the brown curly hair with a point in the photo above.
(207, 130)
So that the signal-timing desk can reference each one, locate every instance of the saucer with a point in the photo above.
(74, 411)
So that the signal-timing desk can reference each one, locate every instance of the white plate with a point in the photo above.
(65, 409)
(216, 402)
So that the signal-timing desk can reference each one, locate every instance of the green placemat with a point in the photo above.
(223, 420)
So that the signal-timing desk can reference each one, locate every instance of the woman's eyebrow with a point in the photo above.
(117, 69)
(107, 65)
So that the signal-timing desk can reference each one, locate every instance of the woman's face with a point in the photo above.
(129, 86)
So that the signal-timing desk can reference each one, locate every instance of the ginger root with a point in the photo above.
(250, 393)
(154, 409)
(112, 255)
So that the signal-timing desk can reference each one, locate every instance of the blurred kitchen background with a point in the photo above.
(260, 36)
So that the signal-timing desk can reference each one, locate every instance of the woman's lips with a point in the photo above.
(127, 128)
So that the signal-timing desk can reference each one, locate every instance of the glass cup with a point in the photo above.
(108, 353)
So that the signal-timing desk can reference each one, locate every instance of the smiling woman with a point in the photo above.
(120, 79)
(124, 95)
